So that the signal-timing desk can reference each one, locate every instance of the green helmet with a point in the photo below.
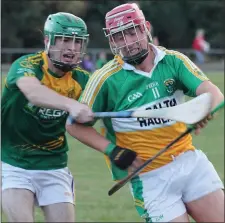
(65, 25)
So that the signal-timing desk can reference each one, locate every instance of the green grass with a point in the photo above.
(92, 178)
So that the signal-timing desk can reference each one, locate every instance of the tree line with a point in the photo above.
(174, 21)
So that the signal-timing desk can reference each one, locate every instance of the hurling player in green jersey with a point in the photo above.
(41, 89)
(181, 181)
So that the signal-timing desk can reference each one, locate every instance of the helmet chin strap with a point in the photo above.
(62, 66)
(138, 58)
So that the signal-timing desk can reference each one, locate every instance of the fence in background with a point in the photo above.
(8, 55)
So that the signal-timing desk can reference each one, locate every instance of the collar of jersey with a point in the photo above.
(159, 55)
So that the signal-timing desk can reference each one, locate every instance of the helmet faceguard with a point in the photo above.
(67, 40)
(128, 18)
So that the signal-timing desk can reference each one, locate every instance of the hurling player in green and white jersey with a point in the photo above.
(180, 182)
(40, 91)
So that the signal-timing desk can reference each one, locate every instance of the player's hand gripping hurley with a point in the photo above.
(121, 183)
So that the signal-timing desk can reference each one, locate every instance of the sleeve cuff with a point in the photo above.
(109, 149)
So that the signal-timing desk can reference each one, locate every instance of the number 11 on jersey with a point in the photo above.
(155, 92)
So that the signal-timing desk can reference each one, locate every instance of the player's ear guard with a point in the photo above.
(121, 157)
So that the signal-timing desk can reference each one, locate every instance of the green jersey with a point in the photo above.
(118, 86)
(34, 137)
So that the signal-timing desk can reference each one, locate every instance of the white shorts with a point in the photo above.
(49, 186)
(160, 195)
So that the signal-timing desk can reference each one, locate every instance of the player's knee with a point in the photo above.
(16, 213)
(59, 212)
(13, 210)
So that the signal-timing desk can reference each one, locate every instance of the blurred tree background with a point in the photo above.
(174, 22)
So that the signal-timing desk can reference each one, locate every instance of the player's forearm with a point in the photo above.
(89, 136)
(41, 95)
(45, 97)
(121, 157)
(217, 96)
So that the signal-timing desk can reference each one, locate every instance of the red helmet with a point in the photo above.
(124, 17)
(124, 14)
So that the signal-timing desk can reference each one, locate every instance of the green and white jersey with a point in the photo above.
(34, 137)
(118, 86)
